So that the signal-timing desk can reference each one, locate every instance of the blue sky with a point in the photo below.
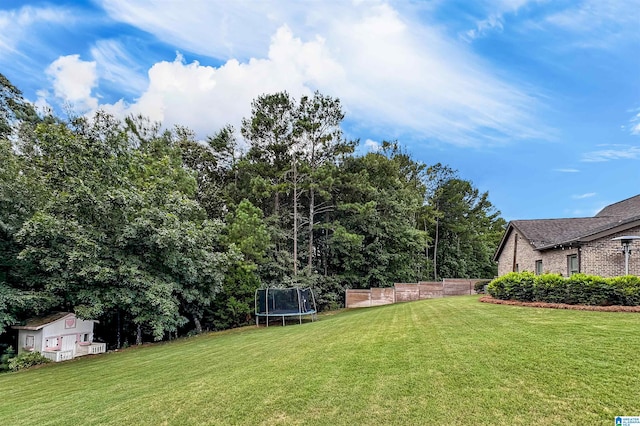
(537, 102)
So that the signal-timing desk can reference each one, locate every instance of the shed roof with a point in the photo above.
(40, 322)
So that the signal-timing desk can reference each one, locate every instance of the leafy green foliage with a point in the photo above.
(26, 360)
(156, 233)
(550, 288)
(578, 289)
(467, 228)
(120, 229)
(479, 285)
(627, 289)
(6, 353)
(513, 286)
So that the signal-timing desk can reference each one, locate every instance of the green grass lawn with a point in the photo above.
(435, 362)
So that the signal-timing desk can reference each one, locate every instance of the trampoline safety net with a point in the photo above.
(284, 302)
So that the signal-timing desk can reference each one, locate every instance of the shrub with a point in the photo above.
(479, 286)
(627, 290)
(578, 289)
(5, 356)
(549, 288)
(589, 290)
(496, 288)
(26, 360)
(514, 285)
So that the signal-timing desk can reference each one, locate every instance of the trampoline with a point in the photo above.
(284, 303)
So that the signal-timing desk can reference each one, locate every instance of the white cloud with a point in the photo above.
(495, 19)
(371, 145)
(635, 125)
(223, 29)
(599, 23)
(492, 23)
(621, 152)
(567, 170)
(114, 64)
(73, 80)
(205, 98)
(41, 103)
(583, 196)
(389, 71)
(17, 26)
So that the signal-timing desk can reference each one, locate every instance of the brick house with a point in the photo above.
(568, 246)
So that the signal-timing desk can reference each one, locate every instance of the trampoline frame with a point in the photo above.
(284, 313)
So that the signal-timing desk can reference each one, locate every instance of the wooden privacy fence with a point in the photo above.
(409, 292)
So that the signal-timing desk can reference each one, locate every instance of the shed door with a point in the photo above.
(69, 342)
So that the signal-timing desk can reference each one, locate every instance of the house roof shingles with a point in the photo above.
(548, 233)
(543, 233)
(623, 209)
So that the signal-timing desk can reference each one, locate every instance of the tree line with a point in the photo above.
(156, 233)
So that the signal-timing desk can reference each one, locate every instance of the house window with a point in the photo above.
(538, 267)
(84, 338)
(29, 342)
(572, 264)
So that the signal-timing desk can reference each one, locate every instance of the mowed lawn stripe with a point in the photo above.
(442, 361)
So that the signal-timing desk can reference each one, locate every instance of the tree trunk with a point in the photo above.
(139, 335)
(118, 331)
(295, 220)
(435, 252)
(196, 321)
(325, 250)
(311, 213)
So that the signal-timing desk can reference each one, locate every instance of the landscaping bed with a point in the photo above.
(614, 308)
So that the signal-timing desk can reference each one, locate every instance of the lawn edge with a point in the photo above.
(613, 308)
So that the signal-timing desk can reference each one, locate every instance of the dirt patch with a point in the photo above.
(615, 308)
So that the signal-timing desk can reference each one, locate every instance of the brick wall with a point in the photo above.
(526, 256)
(599, 257)
(605, 257)
(555, 261)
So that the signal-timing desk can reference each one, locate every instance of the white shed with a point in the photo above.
(59, 337)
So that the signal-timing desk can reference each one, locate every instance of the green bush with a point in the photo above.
(589, 290)
(513, 286)
(627, 290)
(479, 286)
(496, 287)
(5, 356)
(549, 288)
(579, 289)
(26, 360)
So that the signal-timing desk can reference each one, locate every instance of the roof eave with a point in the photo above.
(594, 235)
(503, 241)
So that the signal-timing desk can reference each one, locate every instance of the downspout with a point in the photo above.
(515, 253)
(579, 258)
